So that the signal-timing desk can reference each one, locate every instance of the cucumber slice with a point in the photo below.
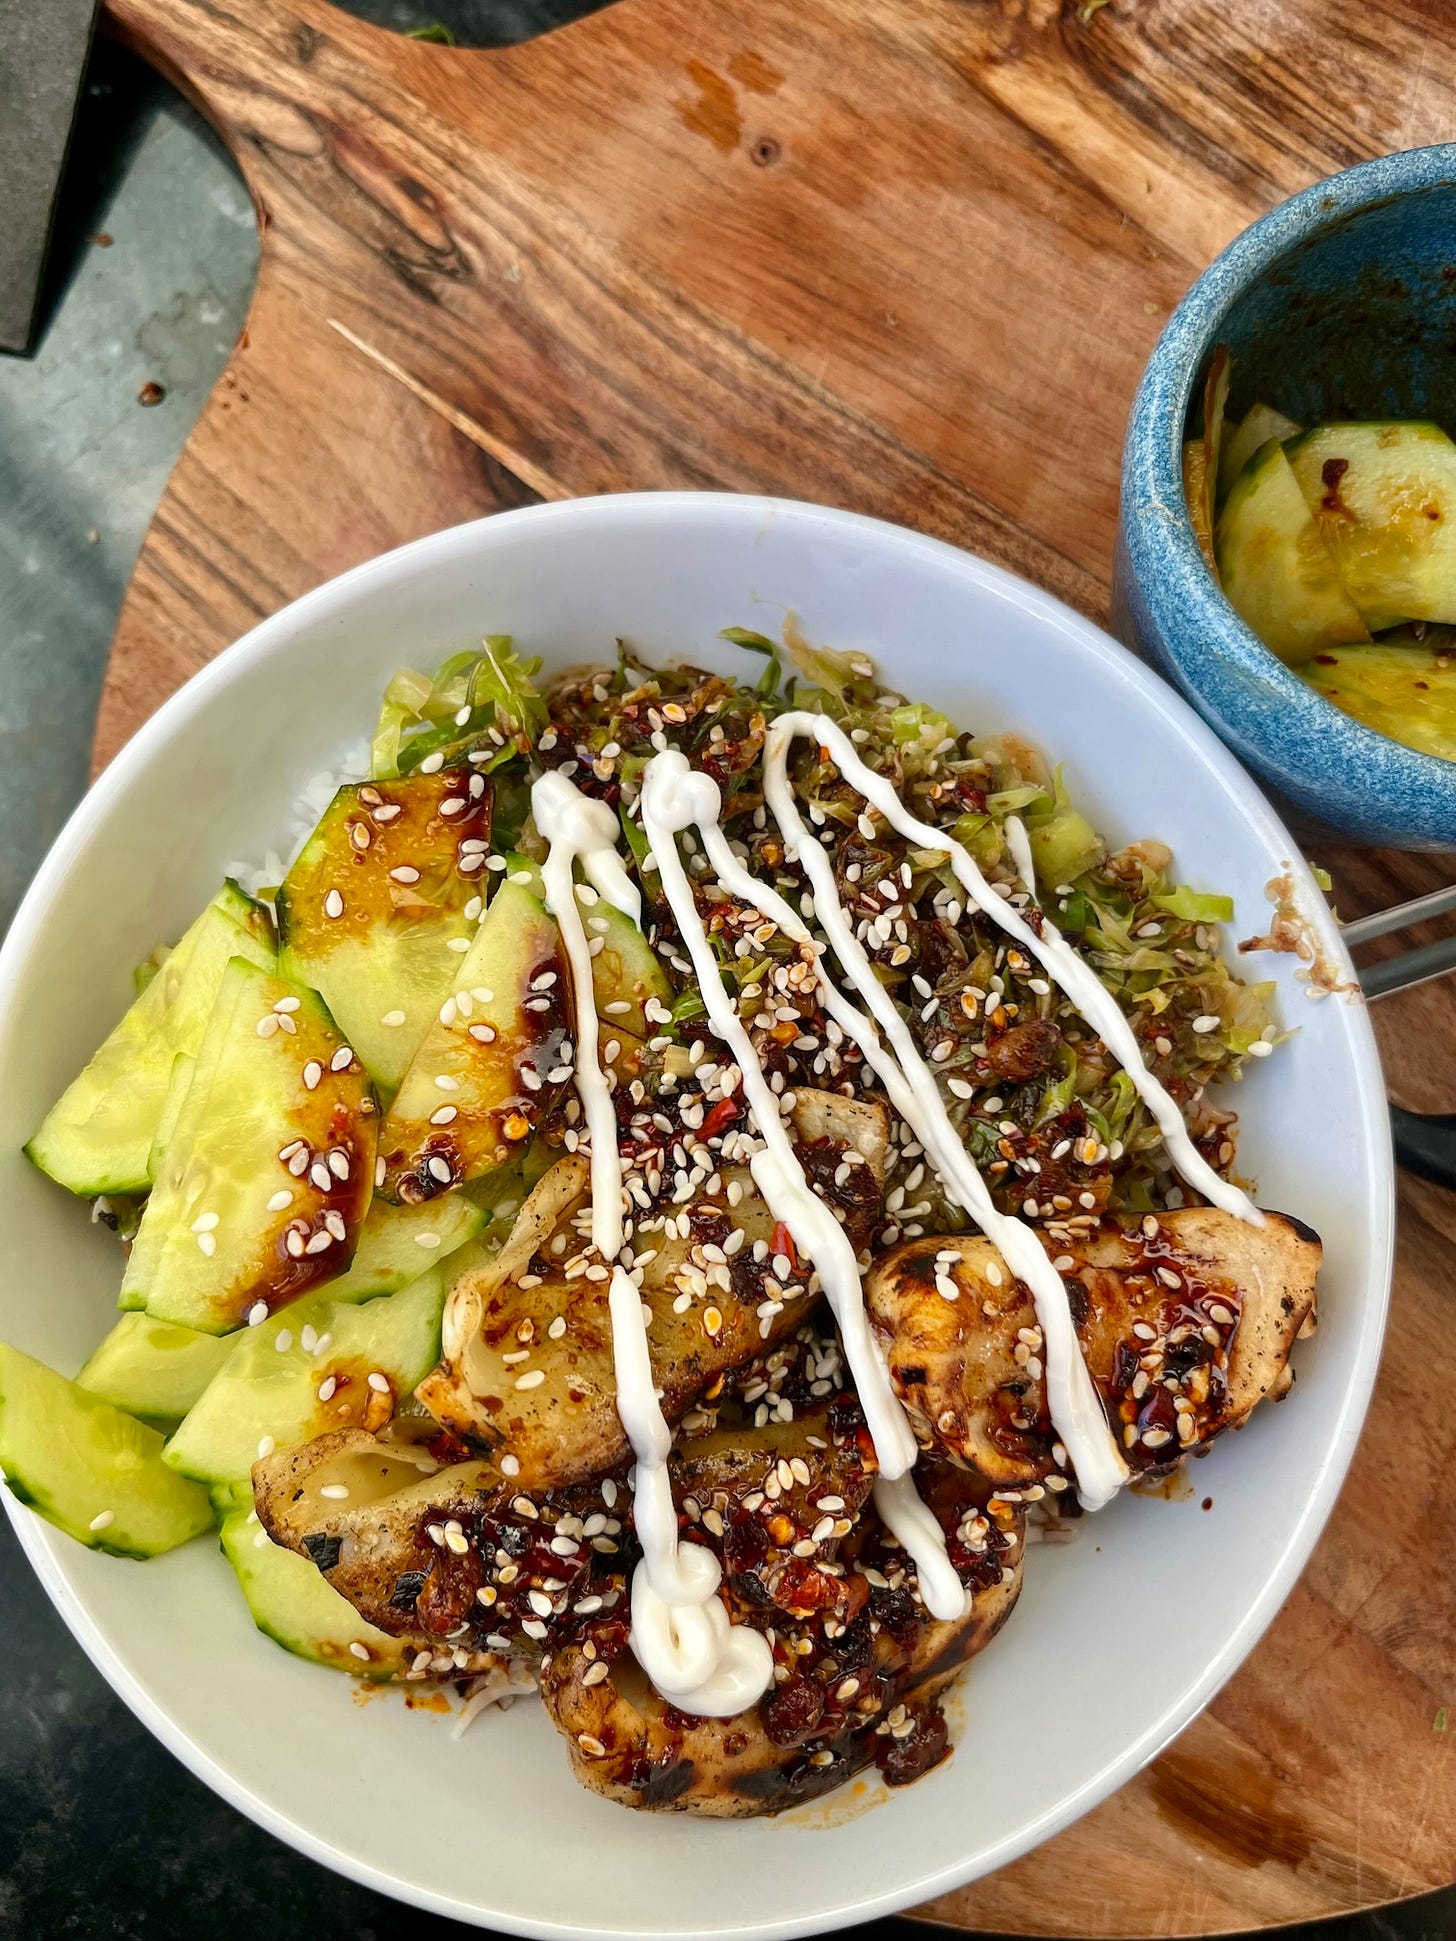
(293, 1605)
(151, 1368)
(98, 1137)
(625, 970)
(1261, 423)
(1384, 499)
(399, 1243)
(268, 1174)
(626, 975)
(90, 1469)
(269, 1394)
(370, 909)
(1274, 566)
(465, 1107)
(1405, 691)
(183, 1066)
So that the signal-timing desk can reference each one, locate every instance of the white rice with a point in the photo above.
(308, 805)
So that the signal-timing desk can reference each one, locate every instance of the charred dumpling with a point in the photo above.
(856, 1682)
(527, 1369)
(1186, 1320)
(449, 1550)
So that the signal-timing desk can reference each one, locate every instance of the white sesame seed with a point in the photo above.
(326, 1388)
(266, 1446)
(313, 1071)
(336, 1492)
(279, 1200)
(342, 1059)
(102, 1520)
(257, 1314)
(427, 1239)
(531, 1379)
(445, 1083)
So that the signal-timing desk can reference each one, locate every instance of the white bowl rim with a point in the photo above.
(271, 636)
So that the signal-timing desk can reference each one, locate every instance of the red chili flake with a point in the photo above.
(783, 1243)
(718, 1119)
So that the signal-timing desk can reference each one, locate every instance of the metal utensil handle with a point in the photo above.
(1399, 916)
(1425, 1144)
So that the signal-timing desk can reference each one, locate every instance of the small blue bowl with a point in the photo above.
(1341, 303)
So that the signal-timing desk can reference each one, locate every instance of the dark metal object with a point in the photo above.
(43, 50)
(472, 23)
(1424, 1143)
(1412, 967)
(1400, 916)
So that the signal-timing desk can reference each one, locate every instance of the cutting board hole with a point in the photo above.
(471, 23)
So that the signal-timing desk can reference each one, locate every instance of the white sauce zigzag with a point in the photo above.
(681, 1634)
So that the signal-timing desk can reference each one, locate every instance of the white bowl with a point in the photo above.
(1119, 1638)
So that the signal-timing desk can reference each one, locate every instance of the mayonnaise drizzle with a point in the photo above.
(1072, 1401)
(681, 1634)
(1051, 950)
(675, 796)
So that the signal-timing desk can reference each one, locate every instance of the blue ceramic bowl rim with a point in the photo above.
(1167, 563)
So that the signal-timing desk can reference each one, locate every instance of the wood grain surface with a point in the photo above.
(907, 256)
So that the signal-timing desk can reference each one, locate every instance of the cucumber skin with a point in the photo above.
(264, 1572)
(247, 930)
(193, 1510)
(199, 1448)
(212, 1293)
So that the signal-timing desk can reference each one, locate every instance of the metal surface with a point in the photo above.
(43, 49)
(1400, 916)
(1412, 967)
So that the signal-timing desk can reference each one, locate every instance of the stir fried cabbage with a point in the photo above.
(1030, 1086)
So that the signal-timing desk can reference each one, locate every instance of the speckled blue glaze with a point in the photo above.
(1341, 303)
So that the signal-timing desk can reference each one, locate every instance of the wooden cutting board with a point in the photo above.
(907, 256)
